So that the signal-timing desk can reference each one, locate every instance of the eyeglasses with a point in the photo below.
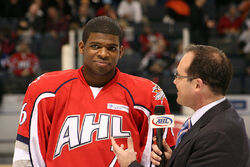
(176, 75)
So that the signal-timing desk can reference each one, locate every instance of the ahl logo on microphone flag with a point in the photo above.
(162, 121)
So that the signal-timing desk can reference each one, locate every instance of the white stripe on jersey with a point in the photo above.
(146, 112)
(146, 153)
(35, 151)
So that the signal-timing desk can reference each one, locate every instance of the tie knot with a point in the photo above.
(187, 124)
(185, 127)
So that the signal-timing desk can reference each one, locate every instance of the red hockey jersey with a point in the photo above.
(64, 125)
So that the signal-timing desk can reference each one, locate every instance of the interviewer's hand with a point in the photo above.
(156, 153)
(125, 157)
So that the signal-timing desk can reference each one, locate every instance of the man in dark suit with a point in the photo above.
(217, 136)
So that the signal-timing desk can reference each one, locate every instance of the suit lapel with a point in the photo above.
(203, 121)
(186, 138)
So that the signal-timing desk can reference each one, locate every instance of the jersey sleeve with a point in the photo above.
(144, 104)
(34, 126)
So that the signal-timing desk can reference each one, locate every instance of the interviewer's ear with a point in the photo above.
(199, 83)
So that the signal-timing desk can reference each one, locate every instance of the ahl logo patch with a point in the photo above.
(161, 121)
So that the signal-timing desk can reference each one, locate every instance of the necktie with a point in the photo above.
(185, 127)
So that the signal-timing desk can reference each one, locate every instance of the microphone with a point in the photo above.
(159, 121)
(160, 110)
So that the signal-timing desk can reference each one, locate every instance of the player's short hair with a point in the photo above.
(102, 24)
(212, 66)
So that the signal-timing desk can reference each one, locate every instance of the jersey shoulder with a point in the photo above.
(51, 81)
(141, 88)
(136, 82)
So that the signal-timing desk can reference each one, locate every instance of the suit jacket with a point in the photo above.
(217, 139)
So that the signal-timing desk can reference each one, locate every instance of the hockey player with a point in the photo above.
(68, 117)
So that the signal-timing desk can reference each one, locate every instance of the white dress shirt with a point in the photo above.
(200, 112)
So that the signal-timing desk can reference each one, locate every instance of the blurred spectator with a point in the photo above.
(211, 10)
(42, 5)
(147, 4)
(91, 9)
(130, 10)
(126, 44)
(83, 16)
(73, 4)
(31, 27)
(57, 25)
(244, 7)
(230, 23)
(157, 61)
(24, 67)
(24, 31)
(34, 16)
(24, 63)
(178, 54)
(7, 39)
(149, 39)
(56, 34)
(63, 8)
(130, 60)
(199, 23)
(106, 10)
(244, 38)
(177, 10)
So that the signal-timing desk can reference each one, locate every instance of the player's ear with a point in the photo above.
(121, 51)
(81, 47)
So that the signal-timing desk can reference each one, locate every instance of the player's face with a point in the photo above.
(183, 84)
(101, 54)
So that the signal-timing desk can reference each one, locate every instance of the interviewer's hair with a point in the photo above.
(212, 66)
(102, 24)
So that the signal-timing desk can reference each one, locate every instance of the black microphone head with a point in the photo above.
(159, 110)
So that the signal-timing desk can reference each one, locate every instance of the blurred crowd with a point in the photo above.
(33, 31)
